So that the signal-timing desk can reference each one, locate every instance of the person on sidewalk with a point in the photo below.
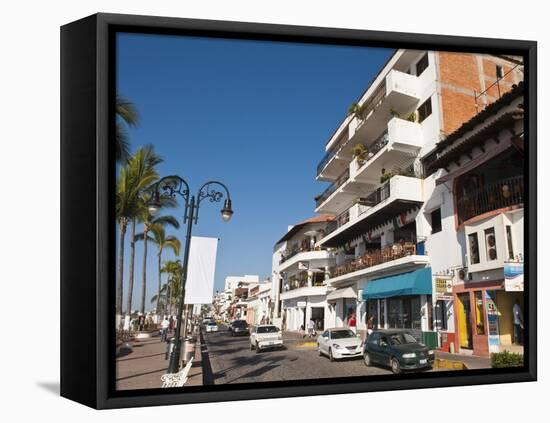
(370, 325)
(311, 328)
(352, 323)
(164, 325)
(518, 323)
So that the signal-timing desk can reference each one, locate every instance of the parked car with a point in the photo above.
(211, 326)
(398, 349)
(339, 343)
(265, 337)
(239, 327)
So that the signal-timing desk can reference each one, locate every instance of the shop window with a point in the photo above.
(435, 218)
(422, 64)
(480, 315)
(425, 110)
(404, 312)
(490, 244)
(509, 242)
(474, 248)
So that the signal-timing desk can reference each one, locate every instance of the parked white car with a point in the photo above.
(211, 326)
(264, 337)
(337, 343)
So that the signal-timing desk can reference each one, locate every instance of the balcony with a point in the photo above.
(494, 196)
(398, 195)
(397, 255)
(397, 146)
(304, 255)
(331, 189)
(298, 286)
(399, 94)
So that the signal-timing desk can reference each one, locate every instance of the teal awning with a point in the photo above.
(411, 283)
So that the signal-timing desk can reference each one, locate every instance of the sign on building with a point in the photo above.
(443, 288)
(513, 276)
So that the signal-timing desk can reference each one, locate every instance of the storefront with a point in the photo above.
(443, 321)
(484, 317)
(297, 312)
(402, 301)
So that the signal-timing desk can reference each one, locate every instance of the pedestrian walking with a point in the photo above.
(370, 325)
(164, 325)
(352, 323)
(311, 328)
(518, 323)
(141, 322)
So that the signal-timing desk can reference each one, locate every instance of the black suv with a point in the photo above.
(239, 327)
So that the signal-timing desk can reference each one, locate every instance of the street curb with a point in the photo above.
(442, 363)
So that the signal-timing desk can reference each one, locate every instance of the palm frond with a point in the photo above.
(126, 110)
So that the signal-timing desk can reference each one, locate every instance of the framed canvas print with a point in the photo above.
(258, 211)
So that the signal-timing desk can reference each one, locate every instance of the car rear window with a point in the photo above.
(240, 323)
(267, 329)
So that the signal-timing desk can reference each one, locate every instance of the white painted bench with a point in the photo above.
(176, 380)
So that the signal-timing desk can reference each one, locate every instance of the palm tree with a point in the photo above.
(163, 242)
(161, 299)
(148, 223)
(127, 115)
(174, 284)
(135, 177)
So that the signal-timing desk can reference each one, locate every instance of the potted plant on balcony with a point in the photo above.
(394, 112)
(412, 117)
(386, 176)
(357, 110)
(360, 152)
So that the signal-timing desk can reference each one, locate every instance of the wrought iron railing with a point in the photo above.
(504, 193)
(320, 199)
(342, 140)
(288, 254)
(368, 109)
(374, 257)
(378, 195)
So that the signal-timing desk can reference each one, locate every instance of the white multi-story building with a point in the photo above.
(259, 303)
(378, 191)
(300, 270)
(236, 292)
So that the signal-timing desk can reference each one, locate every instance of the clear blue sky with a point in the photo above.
(255, 115)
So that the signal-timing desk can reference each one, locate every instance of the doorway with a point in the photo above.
(318, 316)
(464, 320)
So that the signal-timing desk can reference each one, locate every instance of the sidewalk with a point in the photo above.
(143, 367)
(470, 361)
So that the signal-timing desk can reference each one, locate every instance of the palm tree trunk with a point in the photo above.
(168, 299)
(158, 291)
(122, 225)
(131, 271)
(144, 273)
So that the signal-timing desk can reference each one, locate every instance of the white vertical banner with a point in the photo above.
(199, 287)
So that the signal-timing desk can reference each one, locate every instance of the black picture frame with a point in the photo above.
(87, 212)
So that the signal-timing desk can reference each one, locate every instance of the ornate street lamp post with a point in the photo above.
(172, 185)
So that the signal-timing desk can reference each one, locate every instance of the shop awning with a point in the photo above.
(411, 283)
(341, 293)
